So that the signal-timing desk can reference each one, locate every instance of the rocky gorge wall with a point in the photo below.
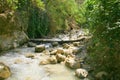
(12, 30)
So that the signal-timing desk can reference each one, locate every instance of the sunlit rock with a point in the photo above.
(39, 48)
(44, 62)
(46, 52)
(60, 51)
(57, 51)
(75, 50)
(71, 63)
(30, 55)
(52, 59)
(76, 44)
(18, 61)
(4, 71)
(53, 52)
(66, 46)
(60, 57)
(81, 73)
(68, 52)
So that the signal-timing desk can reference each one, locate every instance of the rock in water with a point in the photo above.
(39, 48)
(53, 59)
(60, 58)
(54, 44)
(81, 73)
(66, 46)
(44, 62)
(60, 51)
(71, 63)
(30, 55)
(68, 52)
(76, 44)
(4, 71)
(18, 61)
(31, 44)
(53, 52)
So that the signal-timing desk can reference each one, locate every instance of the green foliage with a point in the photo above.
(103, 19)
(42, 18)
(7, 5)
(59, 11)
(38, 21)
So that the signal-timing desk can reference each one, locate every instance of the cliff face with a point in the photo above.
(12, 30)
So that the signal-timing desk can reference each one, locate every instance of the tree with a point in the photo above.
(103, 20)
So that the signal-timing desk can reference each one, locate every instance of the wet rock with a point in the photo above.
(77, 50)
(60, 58)
(53, 52)
(68, 52)
(39, 48)
(30, 55)
(101, 75)
(52, 59)
(81, 73)
(76, 44)
(71, 63)
(57, 51)
(60, 51)
(46, 52)
(12, 30)
(44, 62)
(4, 71)
(18, 61)
(31, 44)
(66, 46)
(54, 44)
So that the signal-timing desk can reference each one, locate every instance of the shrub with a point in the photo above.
(103, 19)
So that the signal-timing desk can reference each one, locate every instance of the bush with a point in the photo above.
(103, 19)
(61, 13)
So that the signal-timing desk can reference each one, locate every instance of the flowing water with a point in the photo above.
(29, 69)
(24, 68)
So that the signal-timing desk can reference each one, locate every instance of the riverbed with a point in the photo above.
(24, 68)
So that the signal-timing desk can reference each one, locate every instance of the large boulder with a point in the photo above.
(52, 59)
(66, 46)
(12, 30)
(4, 71)
(30, 55)
(68, 52)
(39, 48)
(71, 63)
(44, 62)
(60, 57)
(81, 73)
(54, 44)
(60, 51)
(31, 44)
